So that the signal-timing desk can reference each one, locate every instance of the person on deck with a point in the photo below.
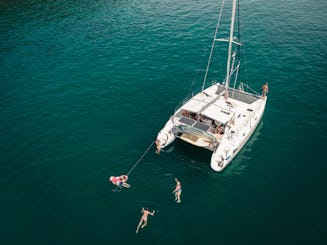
(119, 181)
(265, 90)
(220, 129)
(178, 191)
(144, 219)
(158, 146)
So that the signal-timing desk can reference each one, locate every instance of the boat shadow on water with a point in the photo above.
(240, 162)
(195, 157)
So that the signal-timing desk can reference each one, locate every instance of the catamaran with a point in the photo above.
(221, 117)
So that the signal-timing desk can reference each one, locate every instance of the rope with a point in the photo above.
(117, 188)
(138, 161)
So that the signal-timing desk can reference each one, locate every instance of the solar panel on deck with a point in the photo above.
(187, 121)
(246, 98)
(238, 95)
(201, 126)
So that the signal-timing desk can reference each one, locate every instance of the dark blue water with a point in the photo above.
(86, 85)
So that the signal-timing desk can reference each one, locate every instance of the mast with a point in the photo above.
(230, 42)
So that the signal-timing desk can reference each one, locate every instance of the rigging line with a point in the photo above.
(242, 54)
(138, 161)
(213, 44)
(197, 72)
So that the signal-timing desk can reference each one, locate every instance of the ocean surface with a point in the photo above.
(85, 86)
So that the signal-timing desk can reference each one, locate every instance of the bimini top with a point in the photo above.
(219, 111)
(194, 105)
(199, 102)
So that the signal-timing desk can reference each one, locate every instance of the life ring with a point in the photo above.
(123, 178)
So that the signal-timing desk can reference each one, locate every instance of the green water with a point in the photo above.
(86, 85)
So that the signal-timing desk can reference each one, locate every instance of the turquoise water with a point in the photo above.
(86, 85)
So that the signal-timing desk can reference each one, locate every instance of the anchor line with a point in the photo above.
(138, 161)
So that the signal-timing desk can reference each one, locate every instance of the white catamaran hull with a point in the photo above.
(240, 116)
(225, 153)
(220, 118)
(166, 136)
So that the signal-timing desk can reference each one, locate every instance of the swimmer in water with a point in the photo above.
(119, 181)
(144, 219)
(178, 191)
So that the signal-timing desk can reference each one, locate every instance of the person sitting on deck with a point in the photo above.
(220, 129)
(193, 115)
(186, 113)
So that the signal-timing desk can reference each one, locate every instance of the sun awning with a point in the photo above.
(218, 113)
(194, 105)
